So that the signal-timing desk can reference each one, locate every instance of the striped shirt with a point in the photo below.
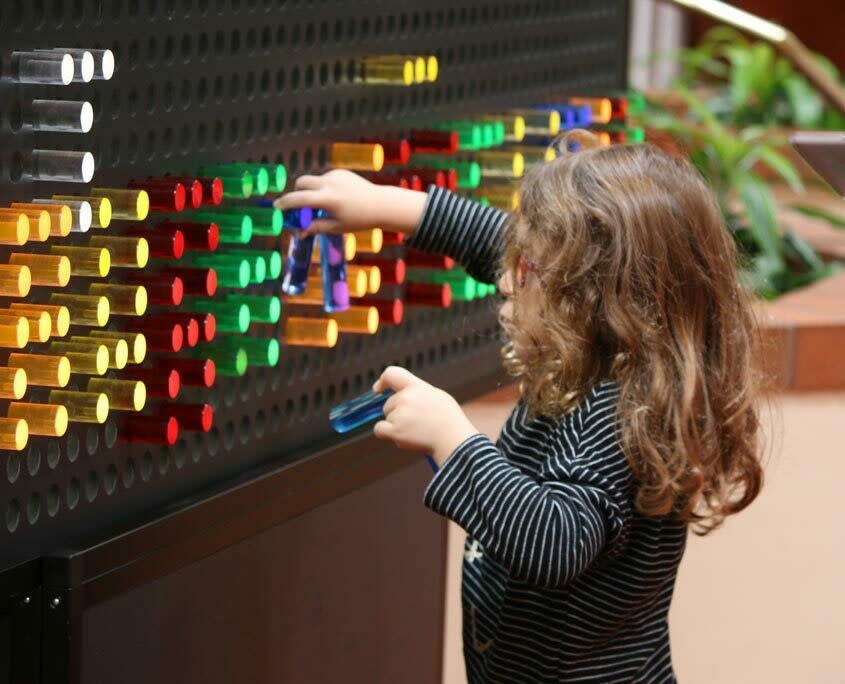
(563, 580)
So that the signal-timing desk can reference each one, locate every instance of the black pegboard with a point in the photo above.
(267, 80)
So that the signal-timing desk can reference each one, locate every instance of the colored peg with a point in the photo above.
(162, 289)
(123, 395)
(159, 383)
(82, 407)
(144, 429)
(230, 315)
(357, 156)
(136, 342)
(118, 348)
(164, 194)
(260, 351)
(357, 319)
(44, 269)
(126, 300)
(90, 310)
(14, 434)
(84, 358)
(198, 372)
(40, 325)
(48, 420)
(93, 262)
(61, 218)
(13, 383)
(42, 370)
(163, 242)
(14, 333)
(198, 417)
(311, 332)
(425, 294)
(15, 280)
(262, 308)
(101, 209)
(390, 311)
(14, 227)
(129, 205)
(125, 252)
(59, 315)
(198, 282)
(204, 236)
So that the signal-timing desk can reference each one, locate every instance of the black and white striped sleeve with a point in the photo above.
(545, 533)
(467, 231)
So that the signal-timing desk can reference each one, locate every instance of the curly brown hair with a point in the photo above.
(639, 283)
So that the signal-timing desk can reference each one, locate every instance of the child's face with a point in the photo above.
(528, 295)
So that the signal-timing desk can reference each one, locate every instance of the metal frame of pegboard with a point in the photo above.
(217, 80)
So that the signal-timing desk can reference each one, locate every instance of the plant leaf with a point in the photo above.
(781, 166)
(759, 207)
(834, 219)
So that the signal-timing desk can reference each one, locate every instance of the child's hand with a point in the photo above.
(354, 203)
(421, 417)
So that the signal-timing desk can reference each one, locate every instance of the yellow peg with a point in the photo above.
(82, 407)
(357, 156)
(124, 395)
(49, 420)
(59, 315)
(14, 227)
(14, 434)
(118, 348)
(130, 205)
(40, 325)
(12, 383)
(126, 252)
(367, 241)
(15, 280)
(84, 359)
(129, 300)
(357, 319)
(14, 333)
(85, 261)
(43, 370)
(101, 212)
(84, 309)
(135, 341)
(40, 224)
(45, 269)
(372, 274)
(311, 332)
(61, 217)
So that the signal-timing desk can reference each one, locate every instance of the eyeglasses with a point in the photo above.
(523, 267)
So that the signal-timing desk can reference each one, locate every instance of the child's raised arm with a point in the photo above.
(439, 221)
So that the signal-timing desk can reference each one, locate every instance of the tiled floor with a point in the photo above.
(761, 600)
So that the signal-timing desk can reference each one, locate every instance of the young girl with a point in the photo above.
(632, 340)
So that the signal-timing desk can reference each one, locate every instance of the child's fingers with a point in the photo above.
(309, 182)
(383, 430)
(390, 405)
(394, 378)
(297, 199)
(324, 226)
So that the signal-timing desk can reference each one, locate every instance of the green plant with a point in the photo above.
(752, 84)
(776, 260)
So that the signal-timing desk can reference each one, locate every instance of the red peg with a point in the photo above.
(414, 182)
(618, 108)
(395, 151)
(190, 416)
(388, 178)
(150, 429)
(451, 179)
(427, 176)
(189, 324)
(192, 372)
(160, 383)
(162, 289)
(200, 282)
(390, 238)
(165, 194)
(424, 294)
(415, 259)
(162, 336)
(165, 242)
(437, 142)
(392, 270)
(212, 188)
(390, 311)
(200, 236)
(208, 326)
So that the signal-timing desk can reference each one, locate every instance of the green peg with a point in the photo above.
(231, 316)
(260, 351)
(262, 308)
(232, 270)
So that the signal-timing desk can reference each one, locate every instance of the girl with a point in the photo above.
(632, 341)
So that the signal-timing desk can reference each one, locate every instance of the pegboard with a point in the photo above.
(200, 81)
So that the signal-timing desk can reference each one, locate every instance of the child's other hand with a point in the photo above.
(354, 203)
(350, 199)
(421, 417)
